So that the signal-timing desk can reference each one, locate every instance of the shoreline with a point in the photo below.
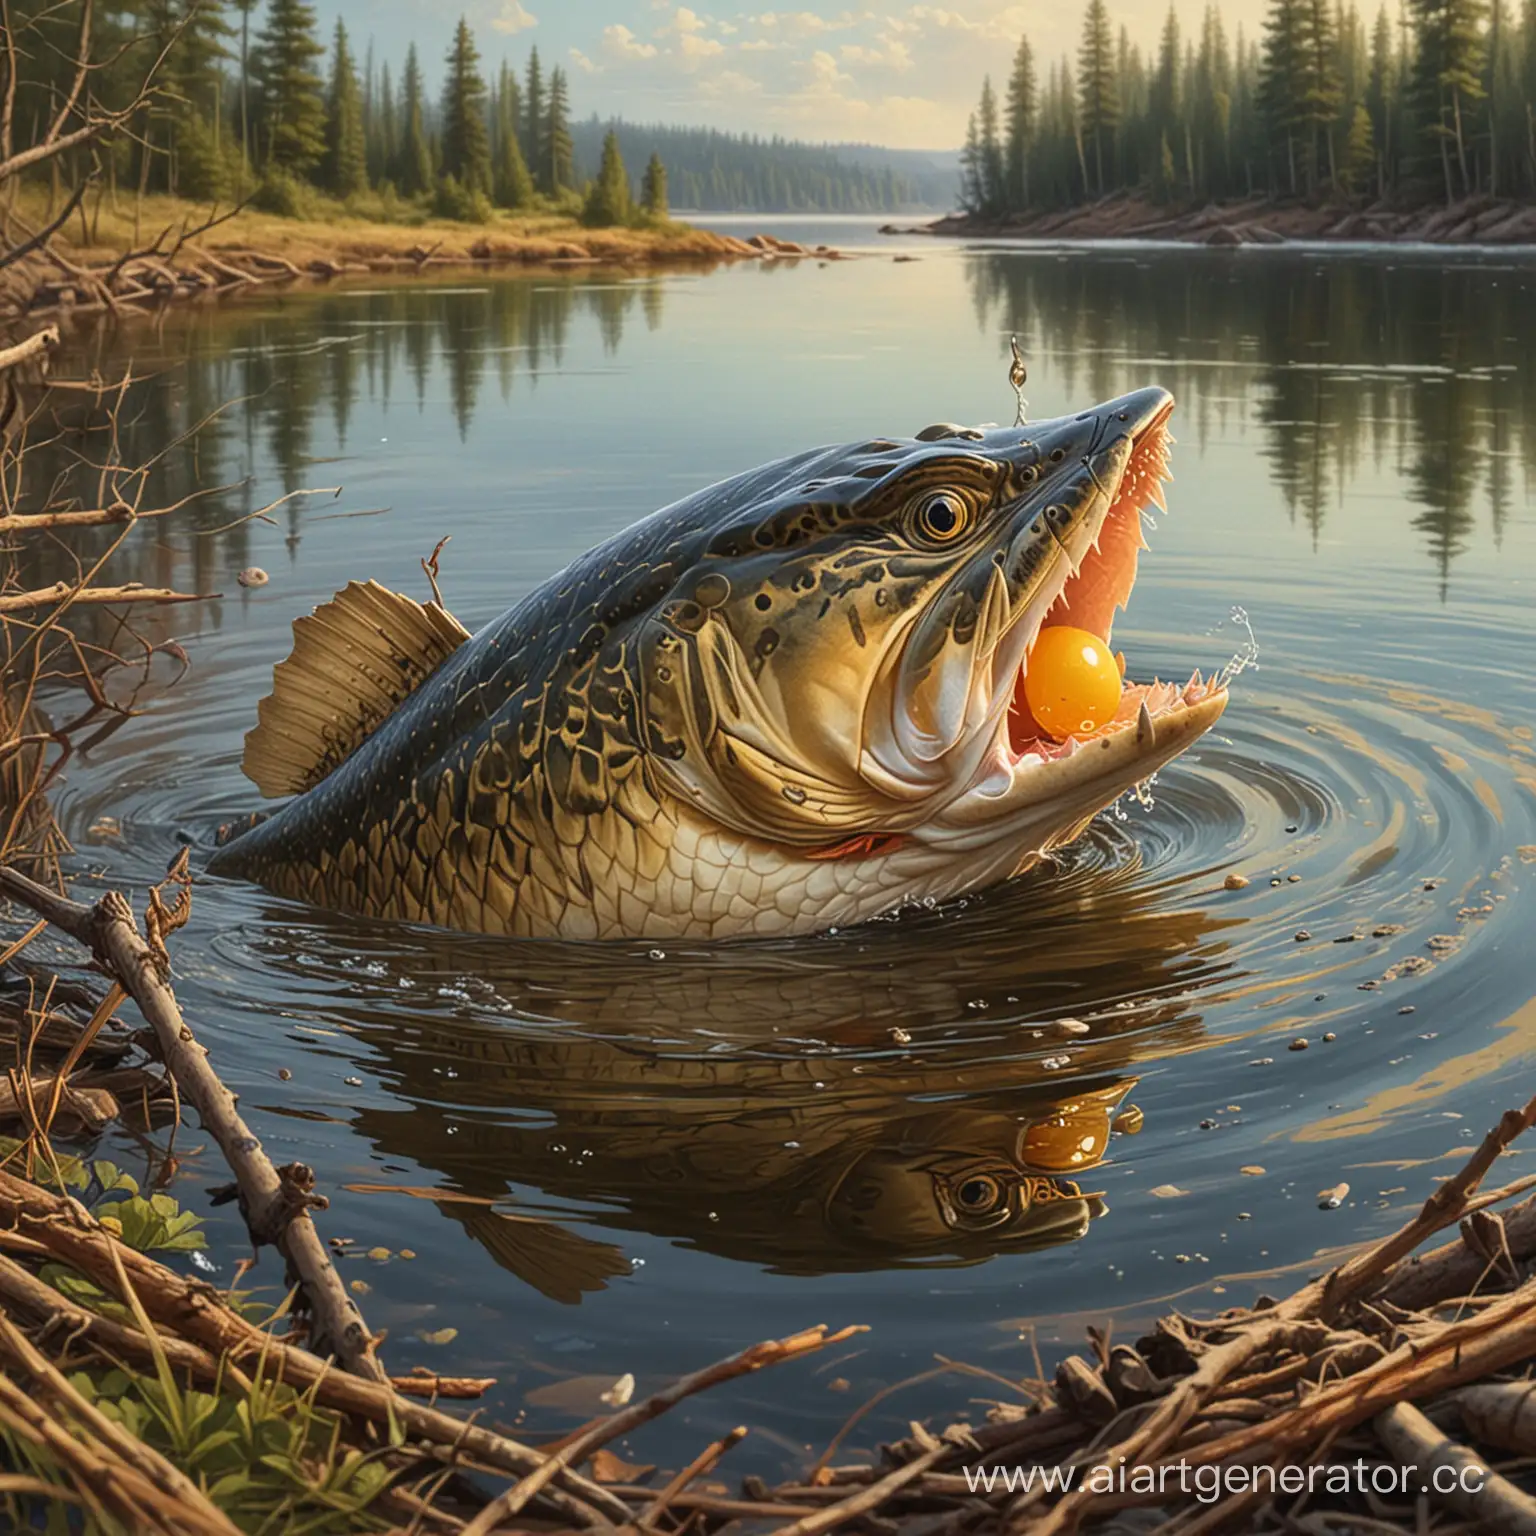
(1476, 221)
(128, 273)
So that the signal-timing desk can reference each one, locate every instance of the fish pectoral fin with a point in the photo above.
(354, 660)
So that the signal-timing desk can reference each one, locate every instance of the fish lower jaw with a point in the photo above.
(1142, 705)
(1033, 800)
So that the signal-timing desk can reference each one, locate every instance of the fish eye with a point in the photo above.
(943, 517)
(978, 1195)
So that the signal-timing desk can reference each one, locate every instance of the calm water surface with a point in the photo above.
(622, 1160)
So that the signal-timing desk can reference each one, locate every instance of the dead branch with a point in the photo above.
(130, 592)
(39, 342)
(1444, 1208)
(274, 1212)
(1493, 1502)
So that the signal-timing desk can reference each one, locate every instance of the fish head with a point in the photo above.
(970, 1185)
(845, 658)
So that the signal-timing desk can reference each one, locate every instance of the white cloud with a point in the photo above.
(685, 21)
(623, 43)
(583, 63)
(823, 74)
(693, 47)
(887, 53)
(730, 83)
(513, 18)
(757, 45)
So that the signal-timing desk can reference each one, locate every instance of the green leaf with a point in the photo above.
(111, 1177)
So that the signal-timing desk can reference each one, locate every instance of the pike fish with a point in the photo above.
(791, 701)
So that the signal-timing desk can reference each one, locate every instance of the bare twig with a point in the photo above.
(574, 1450)
(274, 1211)
(129, 592)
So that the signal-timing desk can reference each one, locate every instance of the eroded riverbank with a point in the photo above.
(1257, 221)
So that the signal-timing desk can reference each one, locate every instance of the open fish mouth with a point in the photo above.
(1087, 592)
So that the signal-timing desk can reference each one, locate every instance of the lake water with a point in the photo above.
(612, 1160)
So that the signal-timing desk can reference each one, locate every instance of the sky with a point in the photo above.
(889, 72)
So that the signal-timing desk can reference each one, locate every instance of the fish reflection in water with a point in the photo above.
(826, 1108)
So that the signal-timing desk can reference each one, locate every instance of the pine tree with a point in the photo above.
(972, 199)
(653, 188)
(290, 93)
(533, 132)
(1098, 89)
(466, 144)
(560, 166)
(1359, 151)
(1448, 78)
(386, 147)
(992, 173)
(196, 40)
(1282, 80)
(1321, 92)
(1380, 91)
(1167, 172)
(1167, 101)
(345, 168)
(514, 181)
(608, 199)
(1020, 118)
(245, 7)
(413, 170)
(509, 106)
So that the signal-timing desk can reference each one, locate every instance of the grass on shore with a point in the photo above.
(361, 229)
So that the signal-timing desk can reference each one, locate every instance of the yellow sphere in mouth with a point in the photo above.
(1071, 682)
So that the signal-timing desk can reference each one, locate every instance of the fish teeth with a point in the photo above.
(1146, 731)
(1155, 496)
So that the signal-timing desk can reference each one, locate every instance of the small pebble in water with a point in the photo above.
(353, 1082)
(1207, 1125)
(1235, 882)
(407, 1253)
(1293, 879)
(1302, 935)
(1329, 1038)
(1245, 1216)
(1406, 1008)
(1291, 828)
(1332, 1199)
(253, 576)
(284, 1075)
(1300, 1043)
(1251, 1170)
(1071, 1027)
(1275, 880)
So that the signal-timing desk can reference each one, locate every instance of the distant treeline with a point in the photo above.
(708, 169)
(1438, 103)
(254, 101)
(251, 101)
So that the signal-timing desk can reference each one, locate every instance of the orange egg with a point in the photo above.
(1071, 682)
